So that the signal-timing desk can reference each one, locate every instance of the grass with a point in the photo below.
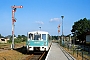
(12, 54)
(8, 45)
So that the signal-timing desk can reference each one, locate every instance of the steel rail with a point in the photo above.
(42, 56)
(69, 57)
(29, 57)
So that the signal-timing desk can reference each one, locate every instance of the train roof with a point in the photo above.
(40, 32)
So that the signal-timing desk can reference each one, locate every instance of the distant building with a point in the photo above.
(3, 40)
(88, 37)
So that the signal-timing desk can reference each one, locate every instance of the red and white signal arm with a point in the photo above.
(58, 26)
(58, 30)
(21, 6)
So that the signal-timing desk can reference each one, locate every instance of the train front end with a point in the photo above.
(37, 41)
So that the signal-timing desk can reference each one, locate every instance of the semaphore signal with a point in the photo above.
(14, 20)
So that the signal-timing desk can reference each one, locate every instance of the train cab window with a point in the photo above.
(37, 36)
(44, 36)
(31, 36)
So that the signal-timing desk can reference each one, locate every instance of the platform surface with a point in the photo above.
(55, 53)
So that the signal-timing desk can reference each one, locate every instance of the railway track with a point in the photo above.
(36, 56)
(21, 50)
(69, 57)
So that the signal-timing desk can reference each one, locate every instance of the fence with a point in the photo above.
(78, 51)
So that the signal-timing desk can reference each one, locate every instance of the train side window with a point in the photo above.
(44, 36)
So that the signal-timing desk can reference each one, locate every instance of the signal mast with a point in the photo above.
(14, 20)
(58, 30)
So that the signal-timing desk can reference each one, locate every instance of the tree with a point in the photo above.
(80, 28)
(19, 36)
(1, 36)
(54, 37)
(24, 38)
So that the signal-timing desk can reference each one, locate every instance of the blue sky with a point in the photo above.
(44, 13)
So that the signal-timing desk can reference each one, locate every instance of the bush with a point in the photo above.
(9, 41)
(18, 40)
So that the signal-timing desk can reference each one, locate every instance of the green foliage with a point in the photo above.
(55, 37)
(17, 40)
(1, 36)
(80, 28)
(20, 38)
(9, 41)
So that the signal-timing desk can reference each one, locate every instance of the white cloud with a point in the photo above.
(39, 22)
(54, 19)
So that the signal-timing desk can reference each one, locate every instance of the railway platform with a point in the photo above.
(57, 53)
